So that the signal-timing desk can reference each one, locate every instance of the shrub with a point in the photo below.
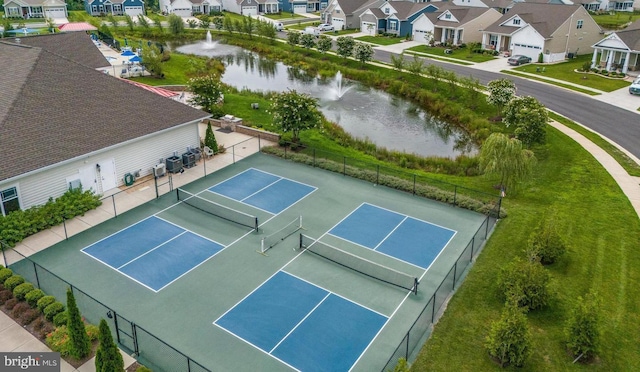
(29, 316)
(46, 330)
(33, 297)
(19, 309)
(10, 303)
(545, 244)
(79, 341)
(39, 323)
(526, 283)
(5, 295)
(52, 310)
(59, 340)
(13, 282)
(582, 328)
(108, 356)
(509, 341)
(143, 369)
(5, 274)
(60, 319)
(586, 66)
(21, 290)
(44, 302)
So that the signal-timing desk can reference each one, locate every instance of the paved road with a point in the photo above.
(619, 125)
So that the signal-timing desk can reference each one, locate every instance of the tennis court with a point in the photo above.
(266, 265)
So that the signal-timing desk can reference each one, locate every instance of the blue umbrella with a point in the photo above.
(127, 53)
(135, 59)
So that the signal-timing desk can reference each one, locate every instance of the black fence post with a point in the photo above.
(35, 270)
(64, 224)
(134, 335)
(115, 322)
(455, 269)
(406, 352)
(155, 183)
(414, 184)
(472, 243)
(433, 304)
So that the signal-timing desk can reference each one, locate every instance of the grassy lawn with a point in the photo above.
(567, 86)
(566, 71)
(380, 40)
(301, 25)
(616, 20)
(601, 257)
(283, 15)
(461, 54)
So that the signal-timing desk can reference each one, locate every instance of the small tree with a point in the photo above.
(294, 112)
(501, 92)
(176, 24)
(363, 52)
(146, 27)
(345, 46)
(398, 62)
(307, 41)
(416, 66)
(108, 357)
(582, 328)
(152, 59)
(504, 157)
(530, 118)
(129, 21)
(324, 44)
(249, 26)
(228, 24)
(509, 341)
(113, 21)
(157, 21)
(210, 139)
(436, 73)
(526, 283)
(293, 38)
(545, 244)
(205, 23)
(78, 339)
(218, 23)
(473, 90)
(206, 90)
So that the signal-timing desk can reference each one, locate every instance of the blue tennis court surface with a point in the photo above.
(153, 252)
(394, 234)
(304, 326)
(263, 190)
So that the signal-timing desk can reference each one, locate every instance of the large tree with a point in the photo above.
(530, 119)
(294, 112)
(504, 158)
(79, 341)
(501, 92)
(206, 90)
(108, 357)
(345, 46)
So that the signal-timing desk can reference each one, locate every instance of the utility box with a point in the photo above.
(188, 159)
(174, 164)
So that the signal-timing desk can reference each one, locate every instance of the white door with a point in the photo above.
(300, 8)
(369, 28)
(55, 13)
(420, 35)
(107, 175)
(526, 50)
(338, 23)
(88, 178)
(133, 11)
(249, 10)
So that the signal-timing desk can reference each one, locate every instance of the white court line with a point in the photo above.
(390, 232)
(152, 249)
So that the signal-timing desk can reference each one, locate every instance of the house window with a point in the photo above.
(579, 24)
(94, 9)
(493, 40)
(516, 21)
(386, 10)
(337, 11)
(392, 26)
(9, 200)
(447, 16)
(13, 12)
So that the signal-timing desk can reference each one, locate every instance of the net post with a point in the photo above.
(300, 222)
(256, 228)
(262, 250)
(415, 286)
(178, 193)
(300, 242)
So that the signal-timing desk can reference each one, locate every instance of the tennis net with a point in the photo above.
(362, 265)
(273, 239)
(217, 210)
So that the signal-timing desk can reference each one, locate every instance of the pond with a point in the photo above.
(363, 112)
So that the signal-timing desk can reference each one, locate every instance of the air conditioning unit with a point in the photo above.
(159, 170)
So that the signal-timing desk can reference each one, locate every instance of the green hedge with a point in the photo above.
(20, 224)
(426, 191)
(33, 297)
(5, 274)
(44, 302)
(52, 310)
(21, 290)
(12, 282)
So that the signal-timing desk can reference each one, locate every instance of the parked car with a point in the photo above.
(518, 60)
(312, 30)
(635, 86)
(279, 26)
(325, 27)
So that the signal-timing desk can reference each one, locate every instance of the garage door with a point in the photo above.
(133, 11)
(337, 23)
(368, 28)
(55, 13)
(530, 51)
(300, 8)
(420, 35)
(249, 10)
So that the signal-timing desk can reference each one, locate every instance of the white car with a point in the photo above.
(634, 88)
(325, 27)
(312, 31)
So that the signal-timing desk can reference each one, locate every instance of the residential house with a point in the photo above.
(251, 7)
(620, 50)
(79, 126)
(114, 7)
(26, 9)
(554, 31)
(471, 3)
(454, 24)
(345, 14)
(302, 6)
(187, 8)
(393, 17)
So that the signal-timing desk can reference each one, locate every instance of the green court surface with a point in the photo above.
(183, 313)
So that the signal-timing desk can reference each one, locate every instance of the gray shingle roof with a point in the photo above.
(53, 109)
(631, 38)
(462, 14)
(404, 9)
(544, 18)
(76, 46)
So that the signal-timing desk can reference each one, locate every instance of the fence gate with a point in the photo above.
(126, 333)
